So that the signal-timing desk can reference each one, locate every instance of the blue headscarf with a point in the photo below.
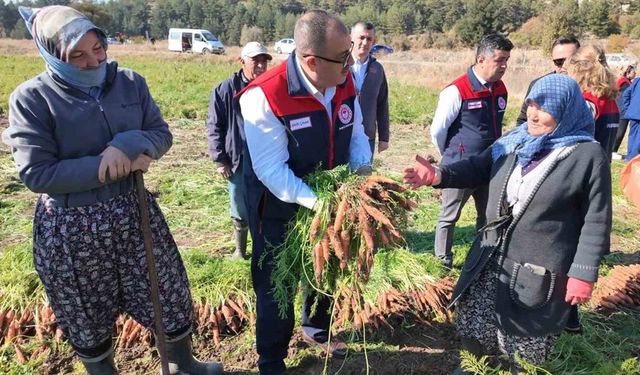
(56, 31)
(561, 97)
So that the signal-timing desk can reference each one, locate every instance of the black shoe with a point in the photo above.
(573, 326)
(447, 262)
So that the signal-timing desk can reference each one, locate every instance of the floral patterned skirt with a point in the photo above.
(475, 318)
(92, 263)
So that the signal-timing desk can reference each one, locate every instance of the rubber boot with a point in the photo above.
(101, 365)
(240, 237)
(474, 347)
(181, 360)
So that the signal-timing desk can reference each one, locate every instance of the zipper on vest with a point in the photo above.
(495, 120)
(331, 131)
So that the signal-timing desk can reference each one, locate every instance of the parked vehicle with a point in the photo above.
(194, 40)
(620, 59)
(285, 45)
(381, 50)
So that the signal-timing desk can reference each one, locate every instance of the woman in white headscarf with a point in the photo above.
(77, 132)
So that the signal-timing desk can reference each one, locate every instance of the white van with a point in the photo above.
(194, 40)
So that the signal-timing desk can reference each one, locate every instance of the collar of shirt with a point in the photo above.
(482, 81)
(359, 70)
(325, 98)
(243, 77)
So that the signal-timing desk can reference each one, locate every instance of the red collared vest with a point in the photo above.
(315, 139)
(479, 122)
(607, 119)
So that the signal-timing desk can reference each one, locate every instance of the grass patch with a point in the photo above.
(195, 202)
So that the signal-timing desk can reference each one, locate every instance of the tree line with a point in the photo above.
(448, 22)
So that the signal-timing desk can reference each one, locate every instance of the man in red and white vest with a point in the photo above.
(467, 121)
(298, 116)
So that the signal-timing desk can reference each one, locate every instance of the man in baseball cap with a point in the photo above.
(226, 135)
(254, 58)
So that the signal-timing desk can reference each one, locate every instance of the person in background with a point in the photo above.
(561, 50)
(371, 85)
(77, 132)
(549, 226)
(631, 105)
(226, 136)
(627, 76)
(300, 116)
(588, 66)
(468, 119)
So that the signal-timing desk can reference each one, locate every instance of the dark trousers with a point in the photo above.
(622, 128)
(453, 200)
(272, 331)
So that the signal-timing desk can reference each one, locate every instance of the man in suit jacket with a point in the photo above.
(371, 86)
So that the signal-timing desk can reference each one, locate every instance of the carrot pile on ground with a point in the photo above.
(620, 288)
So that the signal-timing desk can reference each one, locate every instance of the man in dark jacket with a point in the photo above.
(562, 48)
(371, 85)
(467, 121)
(226, 135)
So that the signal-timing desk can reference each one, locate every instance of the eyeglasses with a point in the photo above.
(344, 62)
(559, 62)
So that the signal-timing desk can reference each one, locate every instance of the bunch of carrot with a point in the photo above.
(353, 218)
(423, 302)
(363, 217)
(226, 318)
(620, 288)
(208, 320)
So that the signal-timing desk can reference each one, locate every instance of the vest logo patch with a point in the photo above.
(502, 104)
(475, 104)
(613, 125)
(300, 123)
(345, 114)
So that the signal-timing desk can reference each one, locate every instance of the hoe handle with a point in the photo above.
(153, 273)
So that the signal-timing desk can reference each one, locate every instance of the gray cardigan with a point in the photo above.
(563, 229)
(57, 132)
(374, 102)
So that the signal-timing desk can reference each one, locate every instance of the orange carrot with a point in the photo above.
(343, 207)
(206, 311)
(326, 250)
(365, 228)
(215, 331)
(345, 238)
(227, 313)
(318, 262)
(237, 308)
(126, 328)
(12, 332)
(20, 358)
(2, 314)
(336, 242)
(133, 335)
(314, 231)
(383, 237)
(387, 183)
(377, 215)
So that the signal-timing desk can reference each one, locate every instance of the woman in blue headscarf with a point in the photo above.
(549, 224)
(77, 132)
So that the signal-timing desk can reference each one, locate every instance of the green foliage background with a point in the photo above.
(468, 20)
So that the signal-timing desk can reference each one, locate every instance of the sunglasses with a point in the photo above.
(344, 62)
(559, 62)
